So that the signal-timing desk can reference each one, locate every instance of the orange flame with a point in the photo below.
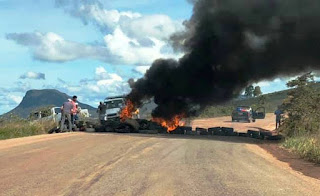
(127, 111)
(171, 124)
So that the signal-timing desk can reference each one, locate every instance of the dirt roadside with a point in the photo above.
(294, 161)
(9, 143)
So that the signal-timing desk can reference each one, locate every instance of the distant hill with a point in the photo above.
(39, 98)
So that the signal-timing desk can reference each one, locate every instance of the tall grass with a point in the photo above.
(307, 147)
(23, 128)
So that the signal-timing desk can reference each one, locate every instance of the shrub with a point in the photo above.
(307, 147)
(22, 128)
(301, 107)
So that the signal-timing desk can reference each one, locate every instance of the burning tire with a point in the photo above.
(144, 124)
(178, 130)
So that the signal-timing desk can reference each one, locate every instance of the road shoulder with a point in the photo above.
(9, 143)
(283, 158)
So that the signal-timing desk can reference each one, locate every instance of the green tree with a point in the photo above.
(262, 100)
(248, 92)
(302, 107)
(257, 91)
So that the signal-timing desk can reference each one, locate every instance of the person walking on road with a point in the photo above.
(278, 114)
(66, 111)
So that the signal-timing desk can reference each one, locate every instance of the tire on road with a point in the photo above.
(201, 131)
(228, 131)
(215, 130)
(253, 134)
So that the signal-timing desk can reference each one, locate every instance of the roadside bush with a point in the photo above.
(10, 128)
(307, 147)
(301, 107)
(216, 111)
(302, 123)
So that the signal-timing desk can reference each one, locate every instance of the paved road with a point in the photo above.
(115, 164)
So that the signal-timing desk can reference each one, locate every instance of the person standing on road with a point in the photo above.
(74, 109)
(66, 111)
(102, 108)
(278, 114)
(76, 117)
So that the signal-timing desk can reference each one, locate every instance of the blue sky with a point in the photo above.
(89, 48)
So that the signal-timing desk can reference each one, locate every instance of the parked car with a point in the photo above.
(246, 113)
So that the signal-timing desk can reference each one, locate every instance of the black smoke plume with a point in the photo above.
(229, 44)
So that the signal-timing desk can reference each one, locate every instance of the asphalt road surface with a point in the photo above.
(132, 164)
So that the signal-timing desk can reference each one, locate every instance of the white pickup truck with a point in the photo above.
(112, 108)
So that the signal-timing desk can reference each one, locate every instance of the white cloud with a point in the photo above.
(130, 51)
(141, 69)
(33, 75)
(268, 83)
(263, 84)
(118, 49)
(269, 86)
(277, 80)
(95, 89)
(104, 19)
(101, 75)
(130, 37)
(104, 81)
(15, 98)
(53, 48)
(135, 25)
(9, 100)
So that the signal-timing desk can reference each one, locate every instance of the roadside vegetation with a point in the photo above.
(307, 147)
(301, 124)
(14, 127)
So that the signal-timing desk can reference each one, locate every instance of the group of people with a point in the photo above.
(69, 111)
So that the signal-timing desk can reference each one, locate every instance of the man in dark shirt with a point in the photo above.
(278, 114)
(102, 111)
